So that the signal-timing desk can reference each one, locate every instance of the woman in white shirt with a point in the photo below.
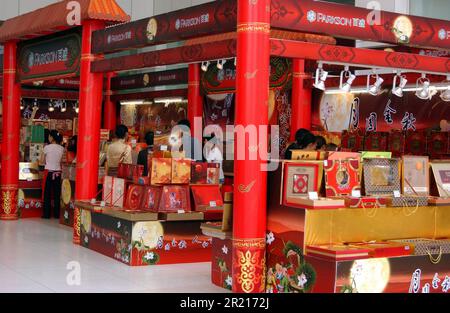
(213, 154)
(52, 157)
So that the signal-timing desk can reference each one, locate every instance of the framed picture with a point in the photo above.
(381, 176)
(341, 177)
(441, 172)
(300, 178)
(416, 175)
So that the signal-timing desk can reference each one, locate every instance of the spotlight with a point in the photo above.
(205, 66)
(51, 107)
(220, 64)
(76, 107)
(35, 104)
(63, 106)
(321, 77)
(374, 89)
(22, 106)
(347, 86)
(424, 90)
(401, 81)
(445, 94)
(235, 62)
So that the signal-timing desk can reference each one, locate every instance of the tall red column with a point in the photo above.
(195, 100)
(301, 98)
(89, 123)
(252, 94)
(110, 107)
(11, 135)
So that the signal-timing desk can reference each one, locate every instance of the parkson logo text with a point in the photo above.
(314, 16)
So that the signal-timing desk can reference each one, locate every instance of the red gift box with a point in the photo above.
(175, 199)
(151, 199)
(396, 143)
(437, 144)
(376, 141)
(199, 172)
(337, 252)
(365, 202)
(134, 197)
(207, 198)
(353, 141)
(213, 174)
(161, 171)
(342, 177)
(386, 249)
(181, 171)
(415, 143)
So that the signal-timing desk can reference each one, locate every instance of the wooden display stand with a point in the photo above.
(144, 238)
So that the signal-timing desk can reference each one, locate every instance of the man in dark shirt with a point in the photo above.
(143, 154)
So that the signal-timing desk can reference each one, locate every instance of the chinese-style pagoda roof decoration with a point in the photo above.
(53, 18)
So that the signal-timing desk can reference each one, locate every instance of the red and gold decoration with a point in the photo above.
(342, 177)
(195, 100)
(249, 262)
(301, 98)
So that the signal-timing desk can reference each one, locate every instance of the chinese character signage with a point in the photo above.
(338, 112)
(49, 58)
(150, 79)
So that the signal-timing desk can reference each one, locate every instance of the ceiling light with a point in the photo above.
(35, 103)
(445, 94)
(424, 89)
(76, 107)
(51, 107)
(168, 100)
(401, 81)
(22, 106)
(220, 64)
(321, 77)
(63, 106)
(374, 89)
(205, 66)
(347, 86)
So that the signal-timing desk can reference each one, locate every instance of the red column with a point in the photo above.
(252, 94)
(11, 135)
(91, 89)
(110, 109)
(195, 100)
(301, 98)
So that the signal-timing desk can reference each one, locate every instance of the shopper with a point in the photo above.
(52, 158)
(331, 147)
(118, 152)
(213, 154)
(304, 140)
(321, 143)
(143, 154)
(189, 145)
(72, 149)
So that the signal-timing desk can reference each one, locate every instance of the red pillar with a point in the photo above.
(195, 100)
(252, 94)
(11, 135)
(91, 89)
(110, 109)
(301, 98)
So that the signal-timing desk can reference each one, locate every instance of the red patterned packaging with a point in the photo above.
(175, 199)
(151, 199)
(134, 197)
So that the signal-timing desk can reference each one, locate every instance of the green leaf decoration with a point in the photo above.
(310, 273)
(153, 261)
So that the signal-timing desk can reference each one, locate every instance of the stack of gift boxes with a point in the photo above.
(434, 144)
(365, 180)
(173, 186)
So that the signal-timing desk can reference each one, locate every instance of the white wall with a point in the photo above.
(138, 9)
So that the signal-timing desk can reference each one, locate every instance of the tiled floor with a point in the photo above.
(34, 256)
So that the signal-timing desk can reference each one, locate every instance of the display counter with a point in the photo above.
(291, 230)
(144, 238)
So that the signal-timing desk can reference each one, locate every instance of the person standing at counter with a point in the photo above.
(143, 154)
(52, 158)
(118, 152)
(304, 140)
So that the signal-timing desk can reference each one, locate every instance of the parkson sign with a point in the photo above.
(50, 57)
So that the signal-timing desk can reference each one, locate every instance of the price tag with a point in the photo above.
(397, 194)
(181, 211)
(133, 141)
(325, 163)
(29, 179)
(356, 193)
(163, 148)
(313, 195)
(213, 204)
(93, 201)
